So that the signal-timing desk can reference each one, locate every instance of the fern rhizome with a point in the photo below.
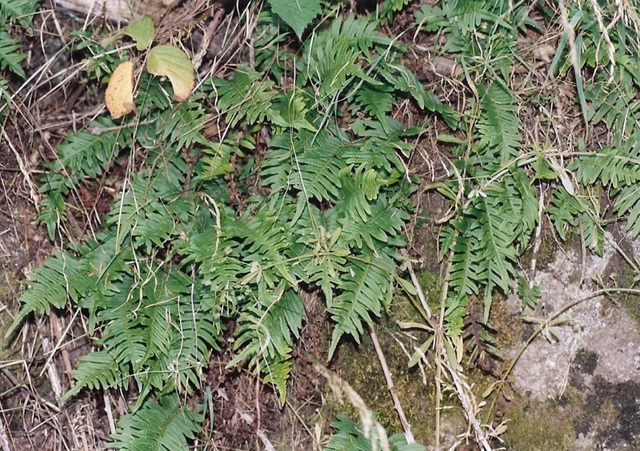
(290, 174)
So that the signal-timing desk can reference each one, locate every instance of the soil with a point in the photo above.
(576, 385)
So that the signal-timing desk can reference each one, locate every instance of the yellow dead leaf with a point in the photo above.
(119, 93)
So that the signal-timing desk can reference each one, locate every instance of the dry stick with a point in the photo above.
(371, 427)
(392, 389)
(4, 438)
(56, 386)
(206, 40)
(109, 412)
(457, 376)
(57, 331)
(33, 191)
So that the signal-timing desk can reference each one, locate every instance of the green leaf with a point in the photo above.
(141, 31)
(170, 61)
(298, 14)
(165, 425)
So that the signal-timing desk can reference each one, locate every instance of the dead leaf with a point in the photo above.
(119, 93)
(170, 61)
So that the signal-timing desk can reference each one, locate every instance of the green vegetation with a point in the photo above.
(306, 184)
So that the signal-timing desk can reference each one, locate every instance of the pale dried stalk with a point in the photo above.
(371, 427)
(462, 388)
(391, 387)
(4, 438)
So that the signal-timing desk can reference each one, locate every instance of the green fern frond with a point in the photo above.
(523, 204)
(10, 57)
(466, 268)
(405, 81)
(266, 332)
(358, 189)
(245, 97)
(382, 143)
(264, 244)
(351, 437)
(613, 166)
(498, 124)
(142, 209)
(87, 154)
(365, 291)
(51, 212)
(96, 370)
(61, 277)
(182, 126)
(378, 229)
(498, 230)
(567, 210)
(21, 10)
(290, 111)
(333, 55)
(165, 425)
(312, 169)
(375, 100)
(628, 203)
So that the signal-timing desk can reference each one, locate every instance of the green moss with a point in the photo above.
(360, 367)
(540, 426)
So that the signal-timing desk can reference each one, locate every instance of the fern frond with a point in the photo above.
(87, 154)
(97, 370)
(61, 277)
(165, 425)
(498, 124)
(365, 291)
(142, 209)
(405, 81)
(311, 169)
(266, 333)
(381, 144)
(381, 225)
(498, 230)
(375, 100)
(10, 57)
(21, 10)
(628, 203)
(613, 166)
(182, 126)
(464, 276)
(245, 97)
(567, 210)
(51, 212)
(264, 244)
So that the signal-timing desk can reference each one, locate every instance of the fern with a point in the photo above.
(10, 58)
(366, 290)
(351, 437)
(62, 277)
(191, 244)
(498, 124)
(245, 97)
(266, 332)
(162, 425)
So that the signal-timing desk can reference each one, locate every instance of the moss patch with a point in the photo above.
(541, 426)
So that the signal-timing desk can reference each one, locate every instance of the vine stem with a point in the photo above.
(390, 386)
